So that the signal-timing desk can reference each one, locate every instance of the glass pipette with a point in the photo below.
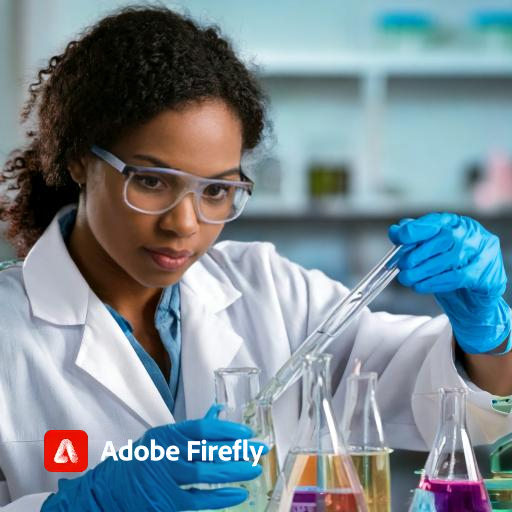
(338, 319)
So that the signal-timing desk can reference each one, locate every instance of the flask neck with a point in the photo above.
(234, 390)
(361, 423)
(453, 410)
(316, 381)
(318, 430)
(264, 423)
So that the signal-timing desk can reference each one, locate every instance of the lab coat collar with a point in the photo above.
(57, 291)
(209, 285)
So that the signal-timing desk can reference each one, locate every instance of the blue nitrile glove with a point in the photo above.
(460, 262)
(138, 486)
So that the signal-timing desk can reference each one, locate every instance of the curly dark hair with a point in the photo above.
(120, 73)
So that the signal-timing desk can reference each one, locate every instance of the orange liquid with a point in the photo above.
(332, 467)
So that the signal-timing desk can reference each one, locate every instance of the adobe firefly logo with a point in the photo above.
(65, 451)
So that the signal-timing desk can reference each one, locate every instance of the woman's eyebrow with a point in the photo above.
(235, 170)
(159, 163)
(155, 161)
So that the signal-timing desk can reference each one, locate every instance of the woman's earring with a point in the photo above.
(81, 186)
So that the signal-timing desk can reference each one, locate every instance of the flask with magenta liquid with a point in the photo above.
(318, 473)
(362, 430)
(451, 475)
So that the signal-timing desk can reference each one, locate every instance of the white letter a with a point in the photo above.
(67, 446)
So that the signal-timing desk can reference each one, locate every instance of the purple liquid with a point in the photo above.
(458, 496)
(313, 501)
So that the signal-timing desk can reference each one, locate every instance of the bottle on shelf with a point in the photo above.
(318, 473)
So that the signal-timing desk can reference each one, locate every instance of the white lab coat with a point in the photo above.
(66, 364)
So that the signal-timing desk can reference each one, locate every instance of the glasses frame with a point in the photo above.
(195, 184)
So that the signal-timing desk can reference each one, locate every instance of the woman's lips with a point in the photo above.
(168, 259)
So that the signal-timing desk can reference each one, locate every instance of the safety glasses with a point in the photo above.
(156, 190)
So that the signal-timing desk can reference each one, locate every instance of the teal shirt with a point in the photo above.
(168, 325)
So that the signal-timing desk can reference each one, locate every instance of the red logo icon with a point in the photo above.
(65, 451)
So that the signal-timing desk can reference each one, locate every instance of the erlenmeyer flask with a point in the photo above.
(318, 474)
(361, 427)
(234, 390)
(451, 472)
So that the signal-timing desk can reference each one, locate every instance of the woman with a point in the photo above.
(124, 306)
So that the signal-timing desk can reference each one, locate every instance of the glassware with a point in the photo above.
(234, 389)
(362, 429)
(451, 472)
(318, 474)
(335, 323)
(264, 430)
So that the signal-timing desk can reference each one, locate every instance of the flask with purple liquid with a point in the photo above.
(451, 472)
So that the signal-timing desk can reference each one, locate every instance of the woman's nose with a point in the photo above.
(182, 218)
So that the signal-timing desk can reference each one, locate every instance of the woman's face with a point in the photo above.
(203, 139)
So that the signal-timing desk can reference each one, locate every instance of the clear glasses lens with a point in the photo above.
(156, 192)
(221, 202)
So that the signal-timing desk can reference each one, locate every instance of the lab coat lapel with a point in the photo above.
(107, 356)
(59, 294)
(208, 340)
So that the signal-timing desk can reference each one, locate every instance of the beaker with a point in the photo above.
(318, 473)
(361, 427)
(451, 472)
(234, 390)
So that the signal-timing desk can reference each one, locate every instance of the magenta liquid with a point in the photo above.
(458, 496)
(310, 500)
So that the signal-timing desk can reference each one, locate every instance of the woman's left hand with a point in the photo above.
(460, 262)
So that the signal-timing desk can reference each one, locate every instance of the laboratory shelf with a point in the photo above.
(357, 64)
(366, 212)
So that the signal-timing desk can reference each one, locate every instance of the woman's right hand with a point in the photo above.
(126, 486)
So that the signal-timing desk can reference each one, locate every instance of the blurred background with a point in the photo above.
(381, 109)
